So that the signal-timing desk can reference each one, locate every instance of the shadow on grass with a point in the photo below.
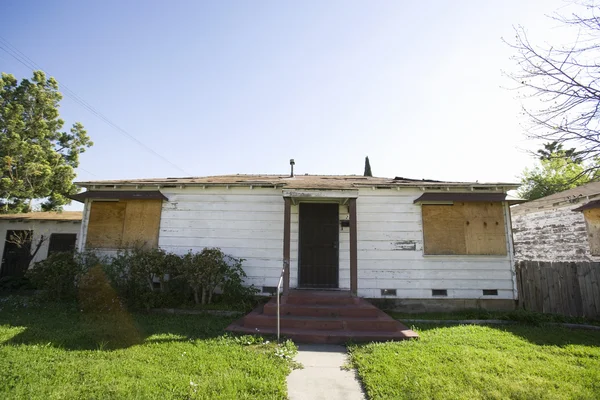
(541, 335)
(64, 325)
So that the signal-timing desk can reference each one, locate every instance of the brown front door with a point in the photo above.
(319, 238)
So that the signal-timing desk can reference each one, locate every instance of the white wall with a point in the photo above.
(248, 223)
(390, 254)
(243, 222)
(39, 228)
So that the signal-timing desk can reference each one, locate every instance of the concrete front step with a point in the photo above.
(330, 337)
(322, 323)
(314, 297)
(318, 310)
(323, 317)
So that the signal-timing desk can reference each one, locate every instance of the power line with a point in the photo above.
(29, 63)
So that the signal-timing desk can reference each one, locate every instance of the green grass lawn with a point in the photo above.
(515, 315)
(481, 362)
(53, 351)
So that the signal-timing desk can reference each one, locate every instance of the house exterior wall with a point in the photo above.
(39, 228)
(390, 254)
(248, 223)
(243, 222)
(551, 234)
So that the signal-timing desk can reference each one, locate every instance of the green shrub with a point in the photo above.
(57, 275)
(96, 294)
(14, 283)
(210, 269)
(133, 273)
(145, 278)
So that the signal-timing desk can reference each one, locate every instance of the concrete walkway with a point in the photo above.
(322, 376)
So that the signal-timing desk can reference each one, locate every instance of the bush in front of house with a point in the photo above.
(58, 275)
(15, 284)
(146, 278)
(210, 269)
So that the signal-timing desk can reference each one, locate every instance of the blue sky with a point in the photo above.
(241, 87)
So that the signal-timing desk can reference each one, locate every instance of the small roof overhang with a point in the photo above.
(307, 195)
(449, 197)
(119, 194)
(588, 206)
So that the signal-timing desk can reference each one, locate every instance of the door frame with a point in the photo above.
(336, 284)
(343, 197)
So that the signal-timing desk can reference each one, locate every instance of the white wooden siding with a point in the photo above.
(243, 222)
(248, 223)
(39, 228)
(390, 254)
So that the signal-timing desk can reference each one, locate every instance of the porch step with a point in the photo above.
(319, 310)
(323, 317)
(323, 298)
(323, 323)
(330, 337)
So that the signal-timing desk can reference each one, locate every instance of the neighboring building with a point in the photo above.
(564, 226)
(56, 231)
(378, 237)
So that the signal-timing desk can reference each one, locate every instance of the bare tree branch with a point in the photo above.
(560, 85)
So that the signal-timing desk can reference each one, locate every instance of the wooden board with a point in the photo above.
(592, 222)
(122, 224)
(476, 228)
(443, 229)
(564, 288)
(105, 227)
(141, 224)
(485, 231)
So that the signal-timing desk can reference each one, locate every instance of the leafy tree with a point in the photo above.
(37, 158)
(367, 167)
(558, 170)
(560, 83)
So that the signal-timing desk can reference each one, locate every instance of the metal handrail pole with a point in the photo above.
(278, 304)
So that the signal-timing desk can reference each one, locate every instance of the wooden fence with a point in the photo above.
(567, 288)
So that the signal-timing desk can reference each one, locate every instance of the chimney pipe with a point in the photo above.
(292, 162)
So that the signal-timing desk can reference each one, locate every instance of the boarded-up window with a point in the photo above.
(464, 228)
(592, 222)
(124, 223)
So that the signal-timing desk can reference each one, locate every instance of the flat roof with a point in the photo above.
(44, 216)
(295, 182)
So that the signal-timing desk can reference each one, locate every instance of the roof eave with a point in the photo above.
(424, 185)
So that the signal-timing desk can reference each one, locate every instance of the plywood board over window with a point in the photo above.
(469, 228)
(592, 222)
(105, 226)
(124, 224)
(142, 220)
(443, 230)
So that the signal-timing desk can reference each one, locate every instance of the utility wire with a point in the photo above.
(29, 63)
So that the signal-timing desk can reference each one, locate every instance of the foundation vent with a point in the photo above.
(439, 292)
(490, 292)
(388, 292)
(269, 289)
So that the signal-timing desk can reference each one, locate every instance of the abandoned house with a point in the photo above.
(412, 241)
(22, 234)
(564, 226)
